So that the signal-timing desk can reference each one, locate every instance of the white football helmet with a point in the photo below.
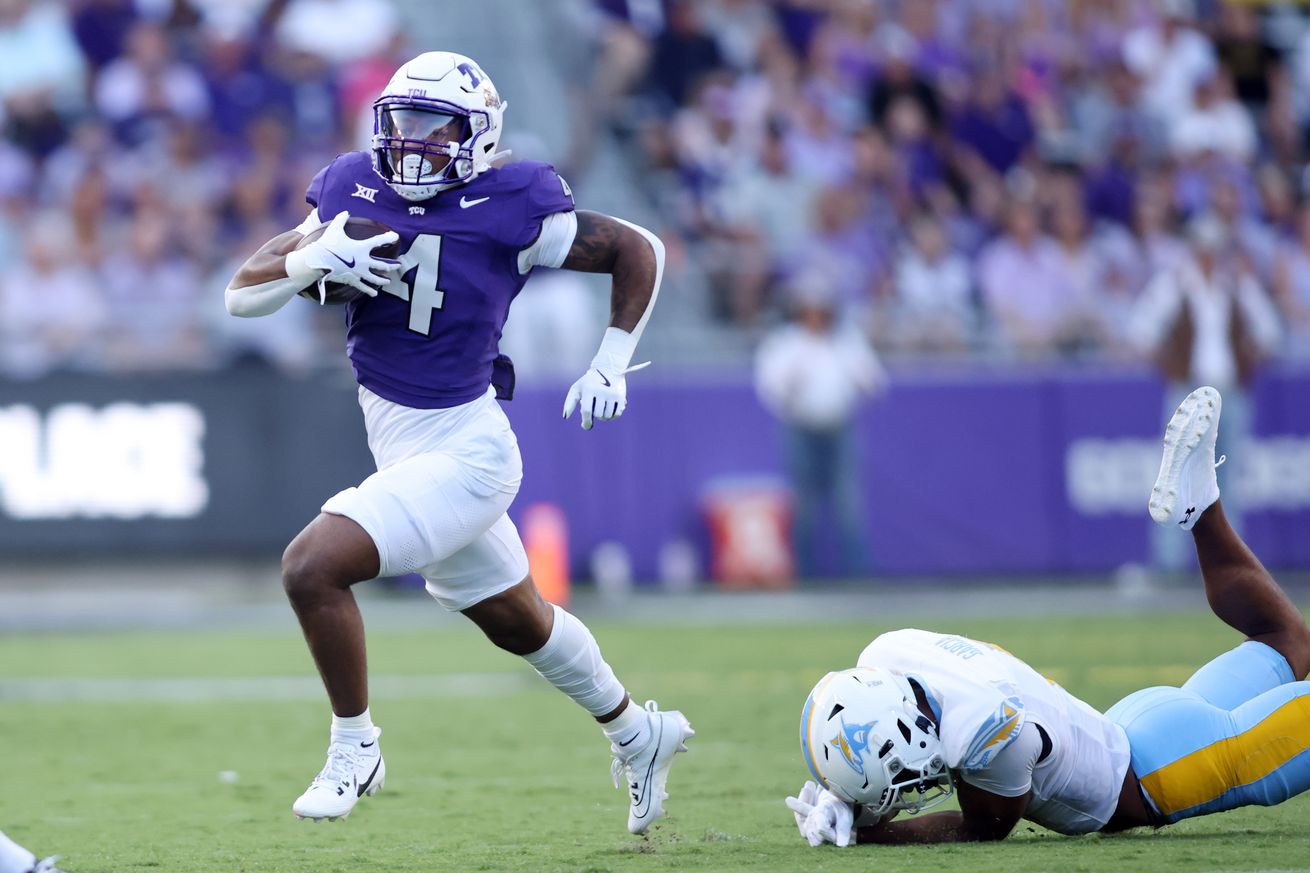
(865, 739)
(436, 125)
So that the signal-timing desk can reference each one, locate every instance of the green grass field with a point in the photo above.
(496, 771)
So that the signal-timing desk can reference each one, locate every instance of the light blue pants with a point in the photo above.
(1236, 734)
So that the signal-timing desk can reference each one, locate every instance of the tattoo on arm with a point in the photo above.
(596, 244)
(604, 245)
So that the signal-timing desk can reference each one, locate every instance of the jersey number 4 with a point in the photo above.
(420, 269)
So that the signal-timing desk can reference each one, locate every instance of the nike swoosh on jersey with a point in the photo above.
(465, 203)
(369, 781)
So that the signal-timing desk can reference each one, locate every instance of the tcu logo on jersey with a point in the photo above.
(364, 193)
(417, 210)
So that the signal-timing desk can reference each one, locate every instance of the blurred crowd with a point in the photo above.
(148, 147)
(1010, 179)
(1000, 178)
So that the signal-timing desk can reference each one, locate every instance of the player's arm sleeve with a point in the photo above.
(552, 244)
(549, 221)
(251, 299)
(1010, 773)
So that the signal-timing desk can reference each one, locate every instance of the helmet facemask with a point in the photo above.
(422, 146)
(912, 790)
(865, 740)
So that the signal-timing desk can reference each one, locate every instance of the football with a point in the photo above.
(339, 293)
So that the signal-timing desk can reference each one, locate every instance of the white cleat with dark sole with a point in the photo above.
(353, 770)
(647, 769)
(1187, 486)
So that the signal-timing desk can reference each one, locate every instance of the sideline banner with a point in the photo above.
(962, 474)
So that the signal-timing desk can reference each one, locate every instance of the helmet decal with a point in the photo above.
(853, 742)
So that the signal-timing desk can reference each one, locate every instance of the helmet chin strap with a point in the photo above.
(485, 163)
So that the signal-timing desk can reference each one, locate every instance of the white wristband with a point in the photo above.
(615, 352)
(298, 268)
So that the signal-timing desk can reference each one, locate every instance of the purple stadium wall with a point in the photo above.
(1001, 473)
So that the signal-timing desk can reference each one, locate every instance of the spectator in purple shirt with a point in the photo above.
(101, 28)
(684, 53)
(994, 122)
(241, 87)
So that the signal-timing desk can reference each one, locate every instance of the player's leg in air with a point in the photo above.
(15, 859)
(560, 648)
(1238, 732)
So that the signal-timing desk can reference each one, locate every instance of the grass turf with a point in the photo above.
(505, 774)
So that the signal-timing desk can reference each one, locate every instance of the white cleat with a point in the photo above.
(353, 770)
(1186, 486)
(647, 769)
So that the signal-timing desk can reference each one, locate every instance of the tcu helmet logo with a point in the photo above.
(475, 75)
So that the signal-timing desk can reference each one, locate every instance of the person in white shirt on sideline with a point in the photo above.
(812, 375)
(1206, 320)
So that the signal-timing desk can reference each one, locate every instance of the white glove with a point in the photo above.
(602, 392)
(822, 817)
(348, 261)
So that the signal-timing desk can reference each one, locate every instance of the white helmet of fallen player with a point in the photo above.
(436, 125)
(865, 739)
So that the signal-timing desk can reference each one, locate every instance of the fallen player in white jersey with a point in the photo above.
(925, 715)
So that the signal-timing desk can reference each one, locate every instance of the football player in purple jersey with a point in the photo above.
(422, 337)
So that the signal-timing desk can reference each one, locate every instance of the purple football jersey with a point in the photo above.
(429, 340)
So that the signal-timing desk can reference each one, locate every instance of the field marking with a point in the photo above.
(203, 689)
(199, 689)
